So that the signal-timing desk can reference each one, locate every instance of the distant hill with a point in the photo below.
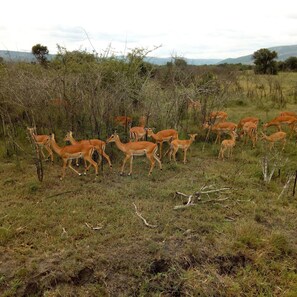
(29, 57)
(164, 61)
(19, 56)
(284, 52)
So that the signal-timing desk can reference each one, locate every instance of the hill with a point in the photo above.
(284, 52)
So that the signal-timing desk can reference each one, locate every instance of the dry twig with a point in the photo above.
(143, 219)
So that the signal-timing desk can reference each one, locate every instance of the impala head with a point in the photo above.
(206, 125)
(265, 126)
(192, 136)
(149, 131)
(68, 136)
(112, 138)
(52, 136)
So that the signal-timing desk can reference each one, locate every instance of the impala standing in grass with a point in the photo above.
(181, 144)
(97, 143)
(43, 141)
(70, 152)
(137, 148)
(163, 136)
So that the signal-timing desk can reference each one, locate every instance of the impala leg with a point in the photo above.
(127, 157)
(156, 158)
(50, 153)
(131, 165)
(185, 156)
(152, 160)
(92, 163)
(107, 158)
(63, 168)
(41, 150)
(174, 154)
(70, 166)
(77, 162)
(161, 144)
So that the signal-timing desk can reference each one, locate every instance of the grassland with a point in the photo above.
(240, 242)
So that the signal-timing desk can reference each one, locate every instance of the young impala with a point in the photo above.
(228, 144)
(181, 144)
(249, 130)
(97, 143)
(138, 148)
(70, 152)
(43, 141)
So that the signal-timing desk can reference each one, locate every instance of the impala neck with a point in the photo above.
(55, 146)
(72, 140)
(119, 144)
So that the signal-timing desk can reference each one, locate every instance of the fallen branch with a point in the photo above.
(93, 228)
(143, 219)
(198, 194)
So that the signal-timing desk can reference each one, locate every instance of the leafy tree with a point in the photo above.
(264, 61)
(291, 64)
(40, 52)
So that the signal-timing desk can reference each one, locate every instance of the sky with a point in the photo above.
(193, 29)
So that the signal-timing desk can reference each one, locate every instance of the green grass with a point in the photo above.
(244, 245)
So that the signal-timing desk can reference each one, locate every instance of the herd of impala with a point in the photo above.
(247, 128)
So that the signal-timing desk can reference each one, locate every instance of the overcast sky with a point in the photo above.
(189, 28)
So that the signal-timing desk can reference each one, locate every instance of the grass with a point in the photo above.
(244, 245)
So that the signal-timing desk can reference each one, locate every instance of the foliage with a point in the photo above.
(291, 64)
(40, 52)
(264, 61)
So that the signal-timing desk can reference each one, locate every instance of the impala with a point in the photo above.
(123, 121)
(194, 105)
(246, 120)
(139, 132)
(249, 130)
(138, 148)
(163, 136)
(43, 141)
(228, 144)
(70, 152)
(275, 137)
(181, 144)
(220, 128)
(281, 120)
(289, 113)
(97, 143)
(217, 117)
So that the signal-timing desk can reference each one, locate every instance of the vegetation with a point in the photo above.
(40, 52)
(83, 237)
(264, 61)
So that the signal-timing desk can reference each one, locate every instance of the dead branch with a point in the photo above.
(143, 219)
(290, 178)
(277, 161)
(198, 194)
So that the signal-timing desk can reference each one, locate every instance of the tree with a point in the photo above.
(40, 52)
(264, 61)
(291, 64)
